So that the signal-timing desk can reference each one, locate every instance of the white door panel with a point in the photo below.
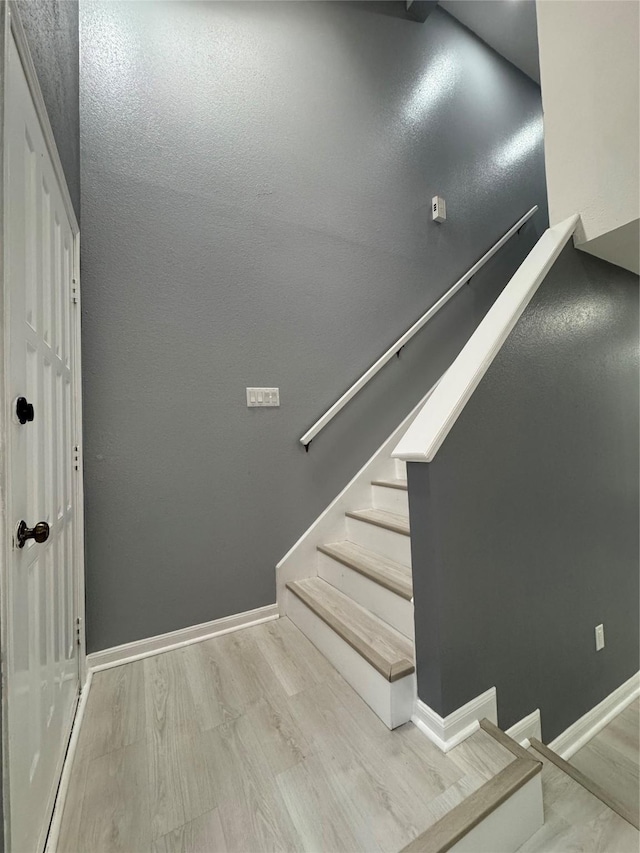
(42, 653)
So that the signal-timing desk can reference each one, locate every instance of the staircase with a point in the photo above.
(357, 607)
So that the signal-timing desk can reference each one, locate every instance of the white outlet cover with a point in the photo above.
(599, 637)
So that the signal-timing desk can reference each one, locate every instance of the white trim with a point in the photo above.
(128, 652)
(580, 732)
(422, 440)
(507, 828)
(447, 732)
(526, 728)
(301, 560)
(53, 796)
(78, 476)
(63, 788)
(406, 337)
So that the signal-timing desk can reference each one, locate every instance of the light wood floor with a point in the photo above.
(612, 758)
(253, 742)
(576, 820)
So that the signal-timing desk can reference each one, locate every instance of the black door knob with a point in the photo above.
(40, 533)
(24, 410)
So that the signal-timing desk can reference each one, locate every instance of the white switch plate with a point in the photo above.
(599, 637)
(438, 209)
(263, 397)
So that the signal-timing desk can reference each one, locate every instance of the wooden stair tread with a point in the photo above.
(389, 574)
(391, 484)
(385, 649)
(382, 518)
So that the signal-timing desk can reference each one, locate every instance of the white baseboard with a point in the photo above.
(447, 732)
(63, 787)
(575, 737)
(528, 727)
(177, 639)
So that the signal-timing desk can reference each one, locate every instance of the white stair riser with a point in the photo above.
(401, 469)
(391, 701)
(388, 606)
(507, 828)
(395, 546)
(391, 500)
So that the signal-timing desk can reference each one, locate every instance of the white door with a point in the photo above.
(40, 323)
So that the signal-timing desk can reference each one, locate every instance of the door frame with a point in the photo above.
(11, 27)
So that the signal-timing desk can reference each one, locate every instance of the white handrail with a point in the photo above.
(393, 350)
(424, 437)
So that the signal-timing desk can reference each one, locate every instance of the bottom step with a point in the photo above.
(392, 701)
(499, 816)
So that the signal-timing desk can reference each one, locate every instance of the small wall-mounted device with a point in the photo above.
(438, 209)
(263, 397)
(599, 637)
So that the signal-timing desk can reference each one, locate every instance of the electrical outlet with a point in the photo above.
(599, 637)
(263, 397)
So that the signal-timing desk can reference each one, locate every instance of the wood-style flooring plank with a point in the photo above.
(319, 807)
(586, 782)
(357, 752)
(614, 773)
(252, 812)
(576, 820)
(226, 676)
(115, 714)
(388, 781)
(115, 808)
(169, 700)
(294, 660)
(611, 759)
(202, 835)
(69, 837)
(178, 781)
(480, 754)
(258, 822)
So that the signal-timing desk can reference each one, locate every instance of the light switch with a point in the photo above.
(263, 397)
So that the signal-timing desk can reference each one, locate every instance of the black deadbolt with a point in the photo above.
(24, 410)
(40, 533)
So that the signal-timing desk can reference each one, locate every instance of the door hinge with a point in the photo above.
(74, 290)
(78, 627)
(76, 457)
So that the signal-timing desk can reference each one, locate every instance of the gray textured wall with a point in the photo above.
(256, 185)
(51, 27)
(525, 526)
